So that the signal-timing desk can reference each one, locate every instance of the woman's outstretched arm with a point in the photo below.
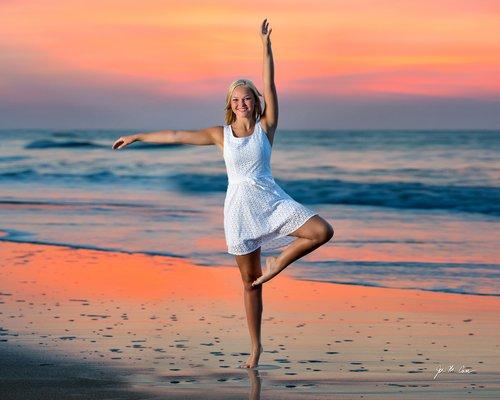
(205, 136)
(270, 116)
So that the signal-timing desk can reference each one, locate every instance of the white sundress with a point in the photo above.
(257, 212)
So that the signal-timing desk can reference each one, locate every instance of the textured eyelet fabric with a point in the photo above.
(257, 211)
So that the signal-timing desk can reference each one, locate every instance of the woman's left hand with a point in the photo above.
(265, 31)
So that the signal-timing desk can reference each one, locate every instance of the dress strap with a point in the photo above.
(227, 132)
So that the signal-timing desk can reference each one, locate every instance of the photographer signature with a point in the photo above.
(451, 369)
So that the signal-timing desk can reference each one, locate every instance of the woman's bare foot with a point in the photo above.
(253, 359)
(270, 272)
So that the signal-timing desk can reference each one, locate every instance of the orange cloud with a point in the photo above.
(446, 48)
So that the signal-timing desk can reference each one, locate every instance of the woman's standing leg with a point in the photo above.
(249, 265)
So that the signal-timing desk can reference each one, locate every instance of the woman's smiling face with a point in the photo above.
(242, 101)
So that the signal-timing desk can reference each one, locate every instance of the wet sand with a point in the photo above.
(79, 323)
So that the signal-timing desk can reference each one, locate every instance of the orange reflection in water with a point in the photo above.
(63, 272)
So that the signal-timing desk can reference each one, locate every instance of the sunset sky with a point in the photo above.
(167, 64)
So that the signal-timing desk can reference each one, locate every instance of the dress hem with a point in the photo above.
(275, 238)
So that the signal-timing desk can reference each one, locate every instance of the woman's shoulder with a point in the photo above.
(266, 127)
(268, 130)
(219, 130)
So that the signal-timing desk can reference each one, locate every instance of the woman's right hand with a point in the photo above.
(123, 141)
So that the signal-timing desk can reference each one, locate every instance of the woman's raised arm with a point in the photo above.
(212, 135)
(270, 117)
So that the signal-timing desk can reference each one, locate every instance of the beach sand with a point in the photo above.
(79, 323)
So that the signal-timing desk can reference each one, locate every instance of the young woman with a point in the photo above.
(258, 214)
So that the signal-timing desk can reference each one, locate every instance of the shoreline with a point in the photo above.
(7, 237)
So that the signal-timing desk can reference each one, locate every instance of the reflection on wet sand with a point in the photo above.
(170, 328)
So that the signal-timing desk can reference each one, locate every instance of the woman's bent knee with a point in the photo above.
(325, 233)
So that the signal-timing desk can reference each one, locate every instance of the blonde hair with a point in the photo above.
(230, 117)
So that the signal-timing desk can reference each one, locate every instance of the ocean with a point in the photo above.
(410, 209)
